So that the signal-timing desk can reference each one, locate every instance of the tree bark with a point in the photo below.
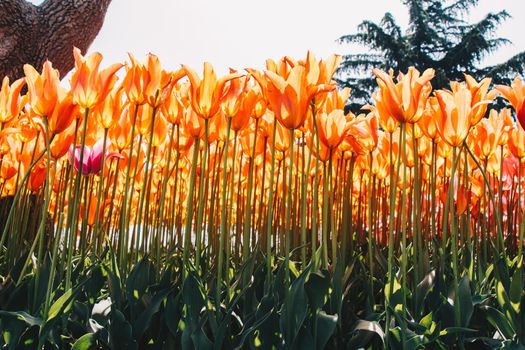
(33, 34)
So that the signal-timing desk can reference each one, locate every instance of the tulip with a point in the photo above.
(42, 88)
(332, 128)
(290, 98)
(480, 95)
(92, 162)
(456, 113)
(406, 99)
(515, 94)
(89, 86)
(10, 100)
(208, 93)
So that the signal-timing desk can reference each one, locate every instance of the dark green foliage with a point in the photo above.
(322, 309)
(438, 36)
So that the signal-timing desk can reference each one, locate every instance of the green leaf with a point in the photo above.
(121, 332)
(423, 288)
(325, 328)
(501, 295)
(44, 272)
(85, 342)
(396, 299)
(499, 321)
(305, 341)
(516, 289)
(427, 321)
(193, 299)
(138, 280)
(142, 323)
(21, 316)
(465, 301)
(248, 331)
(14, 325)
(513, 346)
(456, 330)
(114, 289)
(295, 308)
(370, 326)
(173, 314)
(63, 304)
(364, 333)
(317, 288)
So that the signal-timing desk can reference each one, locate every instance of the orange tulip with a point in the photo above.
(10, 100)
(336, 99)
(88, 85)
(7, 170)
(318, 73)
(517, 142)
(363, 134)
(456, 114)
(290, 98)
(406, 99)
(487, 135)
(148, 83)
(120, 132)
(324, 151)
(173, 106)
(63, 114)
(428, 122)
(250, 106)
(144, 118)
(515, 94)
(42, 88)
(247, 139)
(109, 111)
(254, 99)
(62, 142)
(160, 131)
(7, 141)
(27, 127)
(38, 176)
(192, 124)
(480, 94)
(332, 128)
(282, 67)
(208, 93)
(232, 100)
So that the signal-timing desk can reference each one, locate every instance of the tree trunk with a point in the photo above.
(33, 34)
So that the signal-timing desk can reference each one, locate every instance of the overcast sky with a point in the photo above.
(244, 33)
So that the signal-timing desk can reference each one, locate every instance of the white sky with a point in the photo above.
(239, 34)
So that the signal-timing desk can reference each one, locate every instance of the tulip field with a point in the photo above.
(142, 208)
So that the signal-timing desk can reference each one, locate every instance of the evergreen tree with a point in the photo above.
(438, 36)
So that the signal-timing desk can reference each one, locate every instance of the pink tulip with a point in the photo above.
(92, 162)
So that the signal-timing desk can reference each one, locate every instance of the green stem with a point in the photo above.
(391, 222)
(247, 217)
(315, 199)
(123, 234)
(370, 251)
(100, 195)
(223, 217)
(201, 203)
(160, 212)
(269, 215)
(492, 198)
(404, 239)
(189, 207)
(324, 224)
(73, 227)
(288, 215)
(143, 230)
